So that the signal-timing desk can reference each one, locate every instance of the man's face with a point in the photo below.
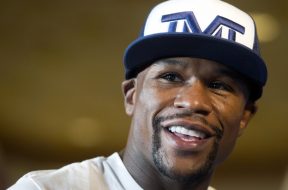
(186, 115)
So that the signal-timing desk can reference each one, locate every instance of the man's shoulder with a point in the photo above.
(98, 173)
(86, 167)
(76, 174)
(210, 188)
(78, 167)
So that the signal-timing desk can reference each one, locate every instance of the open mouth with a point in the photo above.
(188, 134)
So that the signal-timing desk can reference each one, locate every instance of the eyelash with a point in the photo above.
(171, 77)
(219, 85)
(215, 85)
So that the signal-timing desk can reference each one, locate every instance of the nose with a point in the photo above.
(194, 97)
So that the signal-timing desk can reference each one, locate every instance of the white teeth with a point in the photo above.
(184, 131)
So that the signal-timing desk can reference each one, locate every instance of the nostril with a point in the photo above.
(202, 112)
(199, 109)
(181, 104)
(196, 104)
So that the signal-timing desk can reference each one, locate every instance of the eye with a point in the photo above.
(220, 85)
(171, 77)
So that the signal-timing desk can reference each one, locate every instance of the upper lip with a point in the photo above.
(189, 124)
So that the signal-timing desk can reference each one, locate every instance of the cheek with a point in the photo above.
(228, 141)
(154, 99)
(147, 104)
(150, 102)
(230, 114)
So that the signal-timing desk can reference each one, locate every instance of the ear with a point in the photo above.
(129, 93)
(249, 112)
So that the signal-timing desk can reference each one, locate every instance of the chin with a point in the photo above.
(187, 165)
(184, 176)
(184, 169)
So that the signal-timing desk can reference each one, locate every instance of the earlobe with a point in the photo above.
(249, 112)
(129, 90)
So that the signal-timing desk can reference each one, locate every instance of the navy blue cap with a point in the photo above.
(208, 29)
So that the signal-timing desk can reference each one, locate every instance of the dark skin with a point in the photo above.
(205, 101)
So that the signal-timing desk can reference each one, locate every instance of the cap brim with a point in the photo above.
(146, 50)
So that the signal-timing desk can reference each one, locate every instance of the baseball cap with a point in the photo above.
(208, 29)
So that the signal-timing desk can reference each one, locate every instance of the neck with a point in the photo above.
(148, 177)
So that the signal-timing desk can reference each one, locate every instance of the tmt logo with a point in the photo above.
(191, 25)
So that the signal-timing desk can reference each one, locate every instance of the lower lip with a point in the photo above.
(179, 143)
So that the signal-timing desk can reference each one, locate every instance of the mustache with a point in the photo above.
(190, 114)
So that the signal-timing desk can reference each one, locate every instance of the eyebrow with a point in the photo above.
(171, 61)
(223, 70)
(230, 73)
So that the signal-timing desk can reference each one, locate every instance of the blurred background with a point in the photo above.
(60, 97)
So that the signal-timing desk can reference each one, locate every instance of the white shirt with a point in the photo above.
(99, 173)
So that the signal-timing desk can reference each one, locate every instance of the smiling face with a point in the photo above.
(186, 116)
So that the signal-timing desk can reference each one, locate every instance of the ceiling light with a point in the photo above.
(268, 27)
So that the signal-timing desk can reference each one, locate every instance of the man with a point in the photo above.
(192, 79)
